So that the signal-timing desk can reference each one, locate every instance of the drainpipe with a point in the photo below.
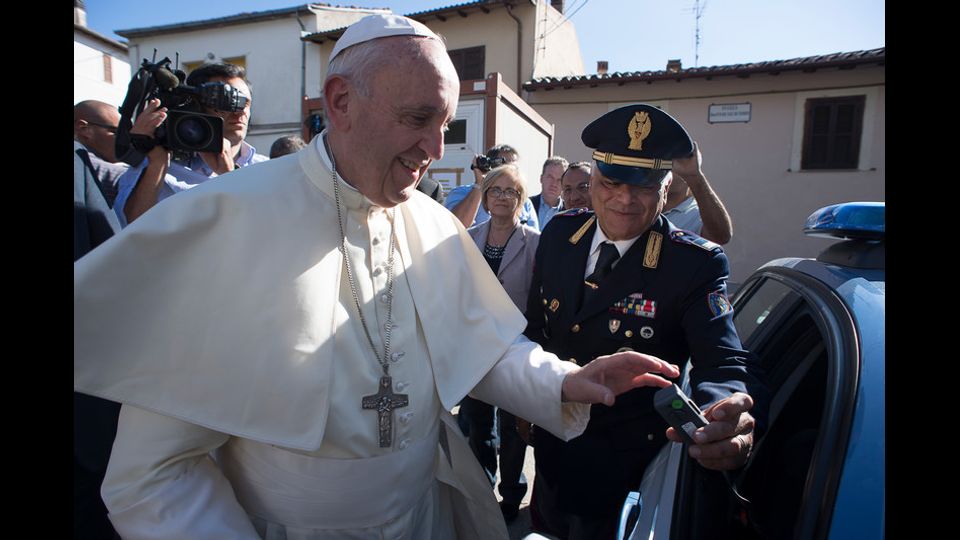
(303, 58)
(519, 43)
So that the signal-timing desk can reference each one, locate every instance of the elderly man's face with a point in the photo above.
(624, 210)
(397, 131)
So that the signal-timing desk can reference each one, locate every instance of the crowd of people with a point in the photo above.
(286, 345)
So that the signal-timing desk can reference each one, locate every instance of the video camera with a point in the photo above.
(187, 129)
(485, 163)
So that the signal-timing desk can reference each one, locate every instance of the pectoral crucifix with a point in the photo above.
(385, 401)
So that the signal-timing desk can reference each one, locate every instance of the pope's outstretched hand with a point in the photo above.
(609, 376)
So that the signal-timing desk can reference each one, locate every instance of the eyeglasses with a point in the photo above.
(508, 193)
(111, 129)
(583, 189)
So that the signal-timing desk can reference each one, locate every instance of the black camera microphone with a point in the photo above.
(166, 79)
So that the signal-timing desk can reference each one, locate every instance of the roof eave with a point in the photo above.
(220, 22)
(459, 10)
(774, 67)
(100, 37)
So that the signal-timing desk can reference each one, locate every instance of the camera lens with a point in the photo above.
(194, 131)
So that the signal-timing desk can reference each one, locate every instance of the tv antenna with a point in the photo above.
(698, 10)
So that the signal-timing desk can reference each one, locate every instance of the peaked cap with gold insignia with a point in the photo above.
(636, 144)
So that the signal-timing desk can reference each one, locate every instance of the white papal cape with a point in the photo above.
(225, 299)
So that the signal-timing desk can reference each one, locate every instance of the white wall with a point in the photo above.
(88, 72)
(530, 142)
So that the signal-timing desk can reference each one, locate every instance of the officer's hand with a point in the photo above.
(725, 443)
(149, 119)
(609, 376)
(688, 168)
(222, 162)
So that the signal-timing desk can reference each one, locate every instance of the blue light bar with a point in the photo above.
(854, 220)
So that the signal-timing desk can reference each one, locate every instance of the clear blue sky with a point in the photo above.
(631, 35)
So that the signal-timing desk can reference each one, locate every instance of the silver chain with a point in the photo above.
(385, 361)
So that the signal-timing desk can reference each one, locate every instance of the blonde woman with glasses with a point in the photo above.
(509, 248)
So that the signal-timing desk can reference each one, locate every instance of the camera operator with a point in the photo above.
(159, 177)
(464, 201)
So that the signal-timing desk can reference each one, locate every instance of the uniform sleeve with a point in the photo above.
(720, 364)
(536, 320)
(161, 482)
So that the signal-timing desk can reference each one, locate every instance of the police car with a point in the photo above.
(818, 473)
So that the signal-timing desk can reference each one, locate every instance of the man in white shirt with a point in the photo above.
(692, 205)
(547, 202)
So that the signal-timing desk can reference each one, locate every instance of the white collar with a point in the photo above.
(325, 156)
(622, 245)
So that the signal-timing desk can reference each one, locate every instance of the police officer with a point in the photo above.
(623, 276)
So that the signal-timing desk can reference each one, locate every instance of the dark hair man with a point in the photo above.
(575, 186)
(157, 177)
(286, 145)
(547, 202)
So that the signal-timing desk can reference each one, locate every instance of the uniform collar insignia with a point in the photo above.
(652, 255)
(582, 230)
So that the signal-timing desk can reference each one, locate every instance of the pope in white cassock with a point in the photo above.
(291, 337)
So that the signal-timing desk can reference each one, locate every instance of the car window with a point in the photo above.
(758, 311)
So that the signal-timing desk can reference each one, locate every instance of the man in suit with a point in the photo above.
(95, 130)
(547, 202)
(623, 276)
(94, 419)
(431, 188)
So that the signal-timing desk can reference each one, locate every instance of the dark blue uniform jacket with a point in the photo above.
(674, 307)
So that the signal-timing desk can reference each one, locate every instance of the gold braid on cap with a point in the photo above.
(613, 159)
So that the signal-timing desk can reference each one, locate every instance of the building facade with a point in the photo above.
(779, 139)
(100, 67)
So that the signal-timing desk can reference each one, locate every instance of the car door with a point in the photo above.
(807, 343)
